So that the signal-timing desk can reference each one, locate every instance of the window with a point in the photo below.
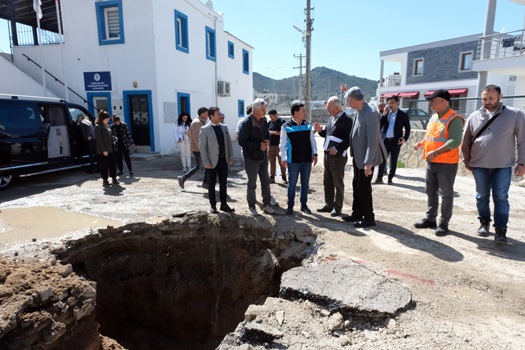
(231, 50)
(465, 61)
(181, 32)
(418, 66)
(183, 102)
(210, 44)
(245, 61)
(240, 104)
(109, 22)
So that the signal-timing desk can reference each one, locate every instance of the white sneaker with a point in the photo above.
(273, 201)
(268, 210)
(253, 211)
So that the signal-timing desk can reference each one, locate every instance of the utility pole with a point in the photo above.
(300, 76)
(308, 33)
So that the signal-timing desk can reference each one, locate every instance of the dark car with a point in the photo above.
(39, 135)
(418, 118)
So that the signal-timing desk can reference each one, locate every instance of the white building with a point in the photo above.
(147, 61)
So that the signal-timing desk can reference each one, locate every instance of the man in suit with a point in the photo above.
(338, 127)
(392, 124)
(216, 149)
(367, 151)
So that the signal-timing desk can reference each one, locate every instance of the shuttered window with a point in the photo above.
(112, 23)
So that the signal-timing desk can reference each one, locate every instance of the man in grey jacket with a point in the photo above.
(367, 151)
(491, 154)
(216, 149)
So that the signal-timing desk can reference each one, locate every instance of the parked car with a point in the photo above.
(418, 118)
(39, 135)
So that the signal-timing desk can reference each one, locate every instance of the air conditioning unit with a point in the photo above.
(223, 88)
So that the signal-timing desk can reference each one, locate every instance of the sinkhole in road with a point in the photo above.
(186, 283)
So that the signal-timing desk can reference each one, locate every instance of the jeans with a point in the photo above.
(260, 168)
(294, 169)
(333, 180)
(440, 177)
(498, 180)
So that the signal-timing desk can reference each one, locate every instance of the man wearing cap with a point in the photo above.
(490, 153)
(254, 140)
(441, 151)
(367, 151)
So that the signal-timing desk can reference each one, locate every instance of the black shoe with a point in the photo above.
(501, 236)
(335, 212)
(213, 210)
(390, 182)
(105, 183)
(181, 181)
(226, 208)
(365, 223)
(114, 181)
(425, 223)
(325, 209)
(272, 179)
(205, 185)
(483, 230)
(289, 211)
(131, 173)
(119, 173)
(352, 218)
(305, 209)
(441, 230)
(284, 181)
(379, 181)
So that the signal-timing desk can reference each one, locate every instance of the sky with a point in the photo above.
(348, 34)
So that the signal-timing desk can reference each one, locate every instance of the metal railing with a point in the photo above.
(501, 45)
(26, 37)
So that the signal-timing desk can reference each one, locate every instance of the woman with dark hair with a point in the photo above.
(105, 148)
(124, 143)
(182, 135)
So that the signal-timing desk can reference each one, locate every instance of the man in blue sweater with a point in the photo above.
(298, 150)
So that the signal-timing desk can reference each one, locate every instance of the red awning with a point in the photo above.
(463, 91)
(412, 94)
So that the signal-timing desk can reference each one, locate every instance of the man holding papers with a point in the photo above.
(337, 139)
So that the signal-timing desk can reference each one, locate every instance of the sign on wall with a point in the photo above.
(97, 81)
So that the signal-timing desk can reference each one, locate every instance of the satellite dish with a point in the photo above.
(209, 4)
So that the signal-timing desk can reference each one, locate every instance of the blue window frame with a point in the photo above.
(240, 104)
(231, 50)
(183, 102)
(210, 44)
(110, 23)
(95, 99)
(127, 112)
(181, 32)
(245, 61)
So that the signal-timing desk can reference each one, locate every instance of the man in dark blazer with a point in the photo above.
(216, 151)
(338, 127)
(395, 129)
(367, 151)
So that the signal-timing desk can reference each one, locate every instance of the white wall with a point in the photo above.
(14, 81)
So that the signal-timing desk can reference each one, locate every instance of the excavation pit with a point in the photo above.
(186, 283)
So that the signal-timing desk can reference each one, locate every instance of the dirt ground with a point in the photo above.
(468, 292)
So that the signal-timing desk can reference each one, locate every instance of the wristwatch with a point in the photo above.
(315, 154)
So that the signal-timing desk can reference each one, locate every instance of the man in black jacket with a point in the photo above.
(337, 139)
(254, 140)
(392, 123)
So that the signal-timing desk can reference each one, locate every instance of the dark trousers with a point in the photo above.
(333, 180)
(90, 149)
(198, 166)
(392, 149)
(362, 191)
(107, 166)
(221, 171)
(118, 157)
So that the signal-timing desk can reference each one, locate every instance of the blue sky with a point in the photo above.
(348, 34)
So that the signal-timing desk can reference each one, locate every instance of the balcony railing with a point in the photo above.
(501, 45)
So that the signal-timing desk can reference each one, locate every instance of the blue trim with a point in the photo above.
(231, 49)
(185, 45)
(245, 61)
(91, 95)
(183, 95)
(240, 107)
(125, 95)
(211, 47)
(101, 22)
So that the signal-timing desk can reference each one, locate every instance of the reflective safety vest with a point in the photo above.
(437, 135)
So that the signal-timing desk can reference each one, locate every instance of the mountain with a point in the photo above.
(326, 82)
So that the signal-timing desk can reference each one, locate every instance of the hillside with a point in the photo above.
(325, 83)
